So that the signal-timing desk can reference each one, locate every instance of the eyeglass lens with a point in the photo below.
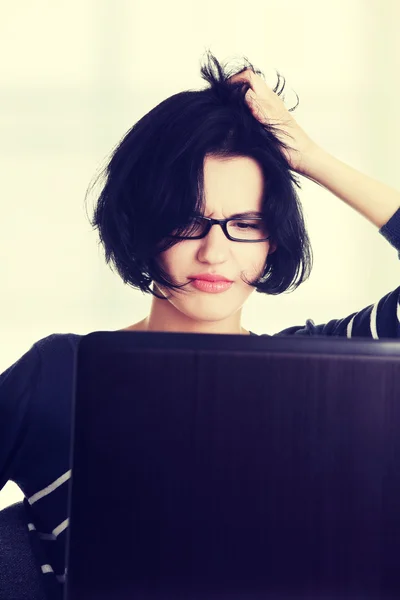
(241, 229)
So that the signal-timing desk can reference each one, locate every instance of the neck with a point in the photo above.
(164, 316)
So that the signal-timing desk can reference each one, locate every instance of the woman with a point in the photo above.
(226, 150)
(199, 209)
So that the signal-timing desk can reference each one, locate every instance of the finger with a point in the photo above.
(243, 77)
(254, 106)
(257, 83)
(250, 97)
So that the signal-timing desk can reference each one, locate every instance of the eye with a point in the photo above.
(247, 229)
(245, 225)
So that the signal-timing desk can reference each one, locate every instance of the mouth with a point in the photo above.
(211, 287)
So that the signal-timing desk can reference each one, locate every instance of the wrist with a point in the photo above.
(312, 159)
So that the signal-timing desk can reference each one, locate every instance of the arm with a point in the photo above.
(380, 204)
(377, 321)
(17, 385)
(374, 200)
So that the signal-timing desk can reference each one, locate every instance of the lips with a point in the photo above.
(210, 277)
(211, 287)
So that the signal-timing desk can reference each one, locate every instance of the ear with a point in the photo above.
(272, 247)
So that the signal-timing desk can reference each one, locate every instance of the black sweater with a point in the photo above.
(35, 421)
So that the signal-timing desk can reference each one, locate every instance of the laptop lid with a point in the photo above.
(224, 466)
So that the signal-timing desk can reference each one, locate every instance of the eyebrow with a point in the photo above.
(244, 215)
(251, 213)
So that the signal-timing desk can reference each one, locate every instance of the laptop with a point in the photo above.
(234, 467)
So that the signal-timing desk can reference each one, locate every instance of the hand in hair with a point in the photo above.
(268, 108)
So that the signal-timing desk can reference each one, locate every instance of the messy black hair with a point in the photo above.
(153, 182)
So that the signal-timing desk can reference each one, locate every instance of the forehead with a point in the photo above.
(232, 185)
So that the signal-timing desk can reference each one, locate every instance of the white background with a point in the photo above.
(76, 74)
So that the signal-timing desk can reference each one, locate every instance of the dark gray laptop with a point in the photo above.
(235, 467)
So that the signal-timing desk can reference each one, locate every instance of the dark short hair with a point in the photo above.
(153, 182)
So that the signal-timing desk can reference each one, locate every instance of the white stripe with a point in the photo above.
(50, 536)
(350, 327)
(47, 569)
(50, 488)
(61, 527)
(372, 322)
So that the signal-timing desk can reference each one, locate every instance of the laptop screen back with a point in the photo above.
(219, 466)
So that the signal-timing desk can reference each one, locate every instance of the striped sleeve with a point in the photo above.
(377, 321)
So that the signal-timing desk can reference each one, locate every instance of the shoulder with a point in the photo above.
(56, 354)
(308, 329)
(59, 342)
(52, 349)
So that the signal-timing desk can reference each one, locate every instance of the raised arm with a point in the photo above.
(377, 202)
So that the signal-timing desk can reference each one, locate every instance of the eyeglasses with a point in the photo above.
(251, 230)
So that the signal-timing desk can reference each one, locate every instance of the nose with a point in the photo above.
(214, 248)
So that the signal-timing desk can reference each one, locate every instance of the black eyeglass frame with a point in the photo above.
(224, 226)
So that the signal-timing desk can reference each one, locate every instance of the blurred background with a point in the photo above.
(76, 74)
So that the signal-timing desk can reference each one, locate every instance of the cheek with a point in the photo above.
(253, 258)
(174, 259)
